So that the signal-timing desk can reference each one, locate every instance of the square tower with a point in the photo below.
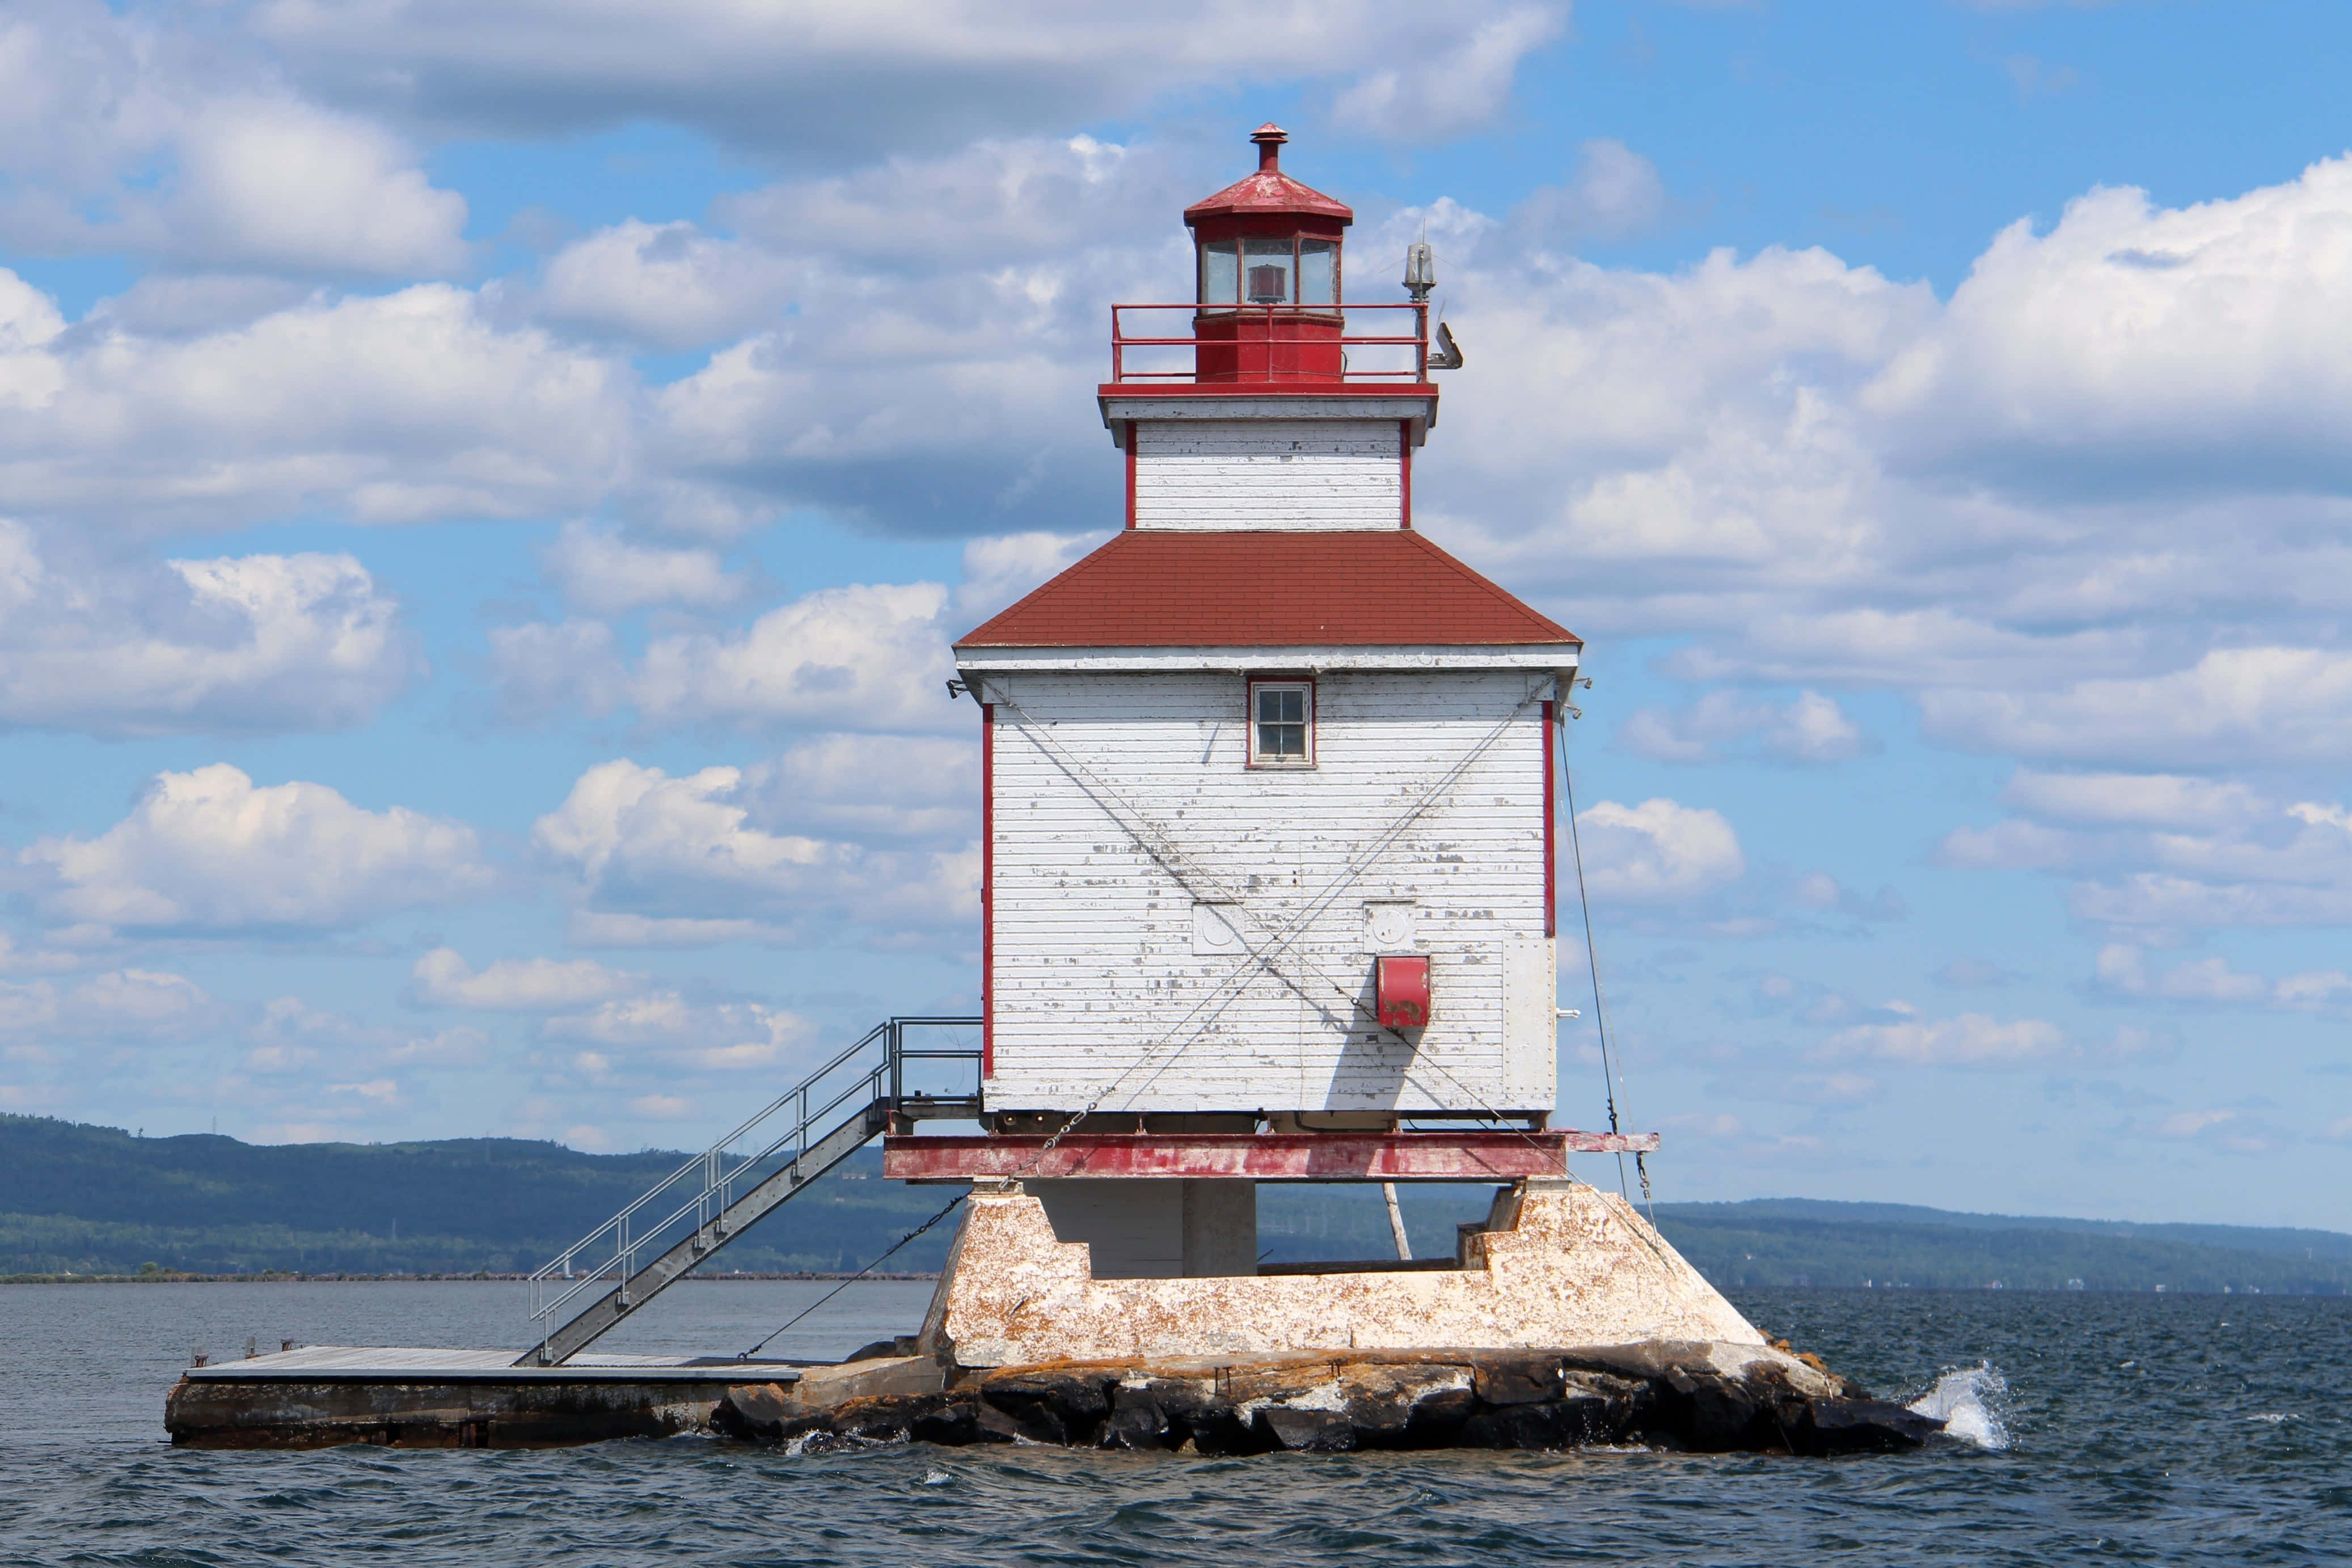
(1268, 786)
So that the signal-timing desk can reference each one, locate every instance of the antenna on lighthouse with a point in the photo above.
(1419, 271)
(1420, 278)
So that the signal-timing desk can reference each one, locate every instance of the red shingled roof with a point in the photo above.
(1157, 587)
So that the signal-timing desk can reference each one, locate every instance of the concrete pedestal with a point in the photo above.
(1558, 1264)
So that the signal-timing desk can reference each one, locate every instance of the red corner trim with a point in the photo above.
(1551, 870)
(987, 890)
(1404, 468)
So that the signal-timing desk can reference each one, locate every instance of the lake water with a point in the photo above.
(2144, 1430)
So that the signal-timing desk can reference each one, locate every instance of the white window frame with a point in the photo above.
(1304, 686)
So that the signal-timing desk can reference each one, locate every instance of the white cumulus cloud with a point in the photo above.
(2244, 704)
(120, 1006)
(1971, 1040)
(1658, 850)
(1811, 728)
(864, 656)
(390, 408)
(443, 979)
(208, 850)
(658, 859)
(251, 643)
(666, 1027)
(276, 182)
(2145, 343)
(847, 81)
(669, 283)
(607, 574)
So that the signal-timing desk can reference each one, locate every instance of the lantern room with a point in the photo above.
(1267, 266)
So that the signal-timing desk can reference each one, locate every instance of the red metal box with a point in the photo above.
(1403, 987)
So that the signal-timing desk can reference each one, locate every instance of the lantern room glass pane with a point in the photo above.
(1267, 271)
(1318, 272)
(1221, 272)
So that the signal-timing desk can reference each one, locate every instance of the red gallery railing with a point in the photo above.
(1246, 343)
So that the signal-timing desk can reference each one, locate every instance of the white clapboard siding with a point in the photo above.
(1269, 474)
(1097, 990)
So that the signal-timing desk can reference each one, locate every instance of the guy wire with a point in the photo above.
(829, 1295)
(1613, 1076)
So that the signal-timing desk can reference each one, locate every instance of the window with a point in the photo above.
(1282, 724)
(1318, 272)
(1269, 271)
(1265, 270)
(1221, 261)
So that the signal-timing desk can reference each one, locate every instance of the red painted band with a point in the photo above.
(1551, 900)
(1404, 470)
(1467, 1156)
(987, 892)
(1130, 474)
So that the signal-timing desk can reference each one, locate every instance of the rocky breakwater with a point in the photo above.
(1694, 1396)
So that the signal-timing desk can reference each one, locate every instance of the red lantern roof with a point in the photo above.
(1154, 588)
(1269, 192)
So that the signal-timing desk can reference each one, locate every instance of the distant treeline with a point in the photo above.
(1892, 1247)
(84, 1199)
(95, 1200)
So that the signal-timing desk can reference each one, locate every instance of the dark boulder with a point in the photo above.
(1572, 1423)
(961, 1420)
(1436, 1420)
(890, 1417)
(904, 1344)
(1050, 1406)
(1211, 1422)
(1137, 1421)
(1863, 1427)
(1305, 1431)
(763, 1412)
(1665, 1396)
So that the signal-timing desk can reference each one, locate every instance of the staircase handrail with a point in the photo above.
(884, 1081)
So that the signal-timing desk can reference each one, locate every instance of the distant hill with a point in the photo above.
(89, 1199)
(86, 1199)
(1798, 1241)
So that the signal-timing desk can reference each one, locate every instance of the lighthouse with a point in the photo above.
(1267, 896)
(1266, 779)
(1268, 803)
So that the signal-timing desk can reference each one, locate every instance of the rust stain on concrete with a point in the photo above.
(1560, 1264)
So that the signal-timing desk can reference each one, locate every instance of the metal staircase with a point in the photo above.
(723, 1191)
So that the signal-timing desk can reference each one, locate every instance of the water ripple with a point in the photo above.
(2140, 1430)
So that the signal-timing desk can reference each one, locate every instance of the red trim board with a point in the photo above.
(1478, 1155)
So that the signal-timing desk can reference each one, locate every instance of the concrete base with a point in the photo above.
(424, 1398)
(1559, 1263)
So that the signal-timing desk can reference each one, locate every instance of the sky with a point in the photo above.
(486, 493)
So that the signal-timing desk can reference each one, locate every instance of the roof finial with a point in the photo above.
(1269, 138)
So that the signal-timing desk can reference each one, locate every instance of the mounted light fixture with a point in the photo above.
(1419, 271)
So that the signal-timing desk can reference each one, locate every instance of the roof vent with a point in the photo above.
(1269, 138)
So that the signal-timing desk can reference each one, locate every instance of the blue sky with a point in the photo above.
(484, 496)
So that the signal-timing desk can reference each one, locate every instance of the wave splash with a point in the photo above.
(1968, 1400)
